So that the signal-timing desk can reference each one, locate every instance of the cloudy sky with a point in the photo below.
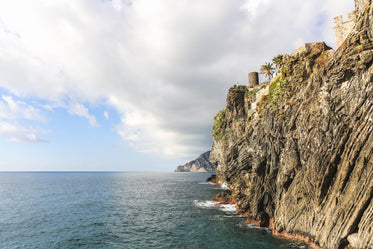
(134, 84)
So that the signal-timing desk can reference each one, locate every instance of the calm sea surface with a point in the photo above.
(121, 210)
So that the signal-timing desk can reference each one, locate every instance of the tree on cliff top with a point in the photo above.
(278, 61)
(267, 69)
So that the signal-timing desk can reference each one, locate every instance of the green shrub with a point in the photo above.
(277, 88)
(218, 130)
(253, 92)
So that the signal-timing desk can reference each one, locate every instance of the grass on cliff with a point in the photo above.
(280, 85)
(218, 130)
(257, 89)
(277, 88)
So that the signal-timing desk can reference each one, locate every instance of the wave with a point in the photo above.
(251, 226)
(206, 204)
(209, 204)
(207, 183)
(229, 208)
(224, 186)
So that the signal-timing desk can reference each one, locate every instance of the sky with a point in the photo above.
(134, 85)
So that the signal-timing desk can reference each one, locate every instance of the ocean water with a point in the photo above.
(122, 210)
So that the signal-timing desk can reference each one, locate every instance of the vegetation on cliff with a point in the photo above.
(268, 70)
(218, 131)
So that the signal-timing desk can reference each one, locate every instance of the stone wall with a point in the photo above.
(343, 29)
(308, 47)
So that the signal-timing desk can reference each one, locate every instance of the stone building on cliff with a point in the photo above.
(343, 28)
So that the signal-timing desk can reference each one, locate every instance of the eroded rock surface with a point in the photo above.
(304, 155)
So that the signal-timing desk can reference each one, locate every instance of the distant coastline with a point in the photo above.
(201, 164)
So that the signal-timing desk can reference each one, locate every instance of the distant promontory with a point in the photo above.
(201, 164)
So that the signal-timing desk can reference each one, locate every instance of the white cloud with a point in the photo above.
(120, 4)
(17, 133)
(106, 115)
(80, 110)
(15, 109)
(252, 6)
(164, 65)
(153, 138)
(11, 111)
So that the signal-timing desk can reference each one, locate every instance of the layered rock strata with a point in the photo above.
(299, 150)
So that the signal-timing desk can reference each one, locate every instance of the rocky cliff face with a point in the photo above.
(201, 164)
(299, 152)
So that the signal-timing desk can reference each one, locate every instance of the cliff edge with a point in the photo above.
(201, 164)
(297, 152)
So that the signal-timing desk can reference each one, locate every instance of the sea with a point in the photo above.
(122, 210)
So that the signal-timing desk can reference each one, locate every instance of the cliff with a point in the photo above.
(201, 164)
(297, 153)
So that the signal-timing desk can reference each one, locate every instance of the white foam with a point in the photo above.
(251, 226)
(231, 216)
(230, 208)
(207, 183)
(206, 204)
(224, 186)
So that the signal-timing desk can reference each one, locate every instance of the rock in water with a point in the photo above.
(302, 151)
(201, 164)
(212, 179)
